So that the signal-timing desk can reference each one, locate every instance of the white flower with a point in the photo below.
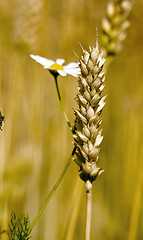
(71, 68)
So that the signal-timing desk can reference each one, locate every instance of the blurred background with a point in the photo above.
(36, 143)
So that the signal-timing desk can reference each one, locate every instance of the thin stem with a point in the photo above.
(136, 207)
(88, 187)
(75, 202)
(52, 191)
(61, 103)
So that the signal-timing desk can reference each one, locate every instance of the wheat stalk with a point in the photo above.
(87, 135)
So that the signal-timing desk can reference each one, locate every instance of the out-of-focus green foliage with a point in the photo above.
(35, 142)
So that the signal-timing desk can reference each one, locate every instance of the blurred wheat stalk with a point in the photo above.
(114, 27)
(27, 23)
(16, 152)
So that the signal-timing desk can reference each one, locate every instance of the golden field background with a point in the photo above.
(35, 142)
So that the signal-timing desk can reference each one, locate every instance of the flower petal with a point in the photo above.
(72, 65)
(62, 73)
(73, 71)
(60, 61)
(46, 63)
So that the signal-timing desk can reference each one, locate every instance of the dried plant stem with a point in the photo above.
(136, 207)
(74, 212)
(61, 103)
(88, 187)
(52, 191)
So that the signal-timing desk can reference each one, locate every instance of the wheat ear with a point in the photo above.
(114, 25)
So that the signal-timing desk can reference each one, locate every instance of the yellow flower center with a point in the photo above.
(57, 66)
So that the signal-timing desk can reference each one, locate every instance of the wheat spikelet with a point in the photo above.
(87, 137)
(114, 25)
(27, 22)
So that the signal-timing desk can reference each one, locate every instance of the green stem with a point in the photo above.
(61, 103)
(52, 192)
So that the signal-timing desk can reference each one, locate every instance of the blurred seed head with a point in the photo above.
(27, 23)
(114, 25)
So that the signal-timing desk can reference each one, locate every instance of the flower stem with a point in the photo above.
(52, 191)
(88, 187)
(61, 103)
